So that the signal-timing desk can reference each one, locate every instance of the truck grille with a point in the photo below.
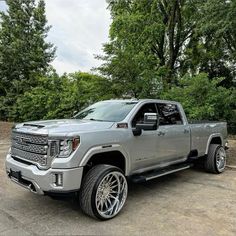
(30, 138)
(31, 148)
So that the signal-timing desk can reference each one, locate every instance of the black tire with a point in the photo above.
(89, 188)
(211, 159)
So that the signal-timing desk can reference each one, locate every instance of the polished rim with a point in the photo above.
(111, 194)
(221, 159)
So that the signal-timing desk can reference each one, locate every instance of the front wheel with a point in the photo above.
(216, 159)
(103, 192)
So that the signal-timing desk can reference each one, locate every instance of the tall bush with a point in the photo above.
(204, 99)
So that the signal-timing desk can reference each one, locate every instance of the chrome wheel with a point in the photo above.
(111, 194)
(221, 159)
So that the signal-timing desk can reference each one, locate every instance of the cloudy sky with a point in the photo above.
(79, 28)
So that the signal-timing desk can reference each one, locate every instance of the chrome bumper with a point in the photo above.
(41, 181)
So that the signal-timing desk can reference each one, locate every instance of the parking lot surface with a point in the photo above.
(190, 202)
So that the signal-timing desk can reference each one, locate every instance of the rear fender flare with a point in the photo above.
(216, 135)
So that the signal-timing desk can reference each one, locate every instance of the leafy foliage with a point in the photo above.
(148, 42)
(212, 47)
(203, 99)
(154, 43)
(24, 53)
(58, 97)
(180, 50)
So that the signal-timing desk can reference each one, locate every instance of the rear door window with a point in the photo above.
(169, 114)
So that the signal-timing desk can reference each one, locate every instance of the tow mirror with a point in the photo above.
(150, 122)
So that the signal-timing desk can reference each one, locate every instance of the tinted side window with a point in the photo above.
(169, 114)
(146, 108)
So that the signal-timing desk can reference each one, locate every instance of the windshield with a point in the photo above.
(106, 111)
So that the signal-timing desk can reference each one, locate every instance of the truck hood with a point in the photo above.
(62, 126)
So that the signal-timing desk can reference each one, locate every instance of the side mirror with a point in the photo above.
(151, 122)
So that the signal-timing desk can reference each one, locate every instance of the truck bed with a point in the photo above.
(201, 132)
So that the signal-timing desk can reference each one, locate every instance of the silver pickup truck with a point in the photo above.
(94, 153)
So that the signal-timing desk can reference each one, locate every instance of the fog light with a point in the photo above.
(58, 179)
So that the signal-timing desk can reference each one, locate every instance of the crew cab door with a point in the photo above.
(174, 135)
(144, 146)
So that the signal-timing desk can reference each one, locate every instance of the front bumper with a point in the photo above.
(42, 181)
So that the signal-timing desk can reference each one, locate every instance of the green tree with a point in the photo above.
(24, 53)
(203, 99)
(221, 20)
(147, 42)
(154, 43)
(59, 96)
(90, 88)
(212, 49)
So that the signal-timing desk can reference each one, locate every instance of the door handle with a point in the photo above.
(161, 133)
(186, 131)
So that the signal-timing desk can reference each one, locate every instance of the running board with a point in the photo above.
(160, 172)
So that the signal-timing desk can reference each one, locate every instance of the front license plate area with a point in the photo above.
(15, 174)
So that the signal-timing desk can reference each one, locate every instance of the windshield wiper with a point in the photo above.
(100, 120)
(95, 119)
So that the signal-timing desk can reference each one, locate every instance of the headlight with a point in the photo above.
(67, 146)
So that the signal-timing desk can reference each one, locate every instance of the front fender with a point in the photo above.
(106, 148)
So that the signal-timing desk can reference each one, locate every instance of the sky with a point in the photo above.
(79, 28)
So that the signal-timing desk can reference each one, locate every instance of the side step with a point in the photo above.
(160, 172)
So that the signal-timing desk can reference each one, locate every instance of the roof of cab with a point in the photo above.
(140, 100)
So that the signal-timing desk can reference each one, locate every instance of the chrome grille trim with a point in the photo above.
(32, 138)
(30, 147)
(33, 148)
(32, 157)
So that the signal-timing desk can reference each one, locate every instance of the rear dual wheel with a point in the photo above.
(103, 192)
